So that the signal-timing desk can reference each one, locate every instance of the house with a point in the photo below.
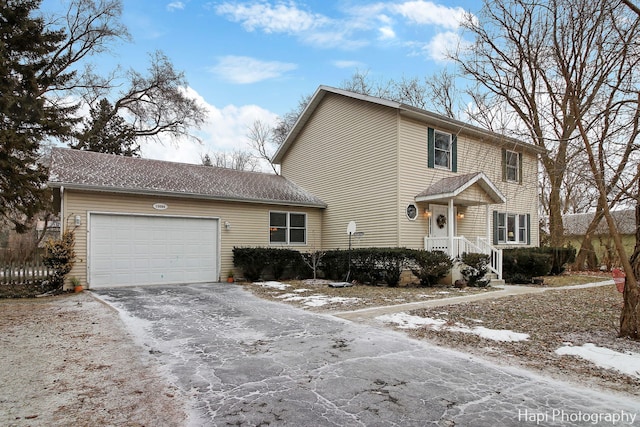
(411, 178)
(405, 176)
(575, 228)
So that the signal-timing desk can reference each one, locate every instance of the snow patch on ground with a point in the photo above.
(626, 363)
(273, 285)
(407, 321)
(317, 300)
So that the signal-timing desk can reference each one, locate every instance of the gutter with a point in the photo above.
(136, 191)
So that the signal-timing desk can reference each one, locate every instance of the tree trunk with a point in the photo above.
(586, 254)
(630, 316)
(556, 228)
(586, 258)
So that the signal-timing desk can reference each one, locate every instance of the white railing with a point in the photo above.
(462, 245)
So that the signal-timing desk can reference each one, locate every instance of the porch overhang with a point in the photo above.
(458, 188)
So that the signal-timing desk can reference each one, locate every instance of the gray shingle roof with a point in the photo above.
(576, 224)
(455, 185)
(107, 172)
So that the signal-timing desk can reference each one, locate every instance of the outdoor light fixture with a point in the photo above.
(427, 213)
(227, 225)
(460, 215)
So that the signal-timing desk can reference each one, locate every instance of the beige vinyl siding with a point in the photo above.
(347, 156)
(249, 221)
(472, 156)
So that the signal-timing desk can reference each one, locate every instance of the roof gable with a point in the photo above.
(415, 113)
(457, 186)
(106, 172)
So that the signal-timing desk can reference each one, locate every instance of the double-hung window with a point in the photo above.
(442, 150)
(442, 147)
(511, 166)
(288, 228)
(511, 228)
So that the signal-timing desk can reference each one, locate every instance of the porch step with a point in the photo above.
(493, 279)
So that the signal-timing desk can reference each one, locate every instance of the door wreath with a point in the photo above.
(441, 221)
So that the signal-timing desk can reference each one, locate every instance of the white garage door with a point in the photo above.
(144, 250)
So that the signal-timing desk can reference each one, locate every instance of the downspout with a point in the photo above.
(63, 223)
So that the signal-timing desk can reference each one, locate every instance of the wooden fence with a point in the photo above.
(23, 272)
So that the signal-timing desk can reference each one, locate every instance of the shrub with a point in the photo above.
(252, 262)
(335, 264)
(475, 269)
(521, 265)
(560, 257)
(256, 263)
(368, 265)
(60, 257)
(431, 266)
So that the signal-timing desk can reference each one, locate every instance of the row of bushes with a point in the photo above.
(369, 265)
(385, 265)
(522, 265)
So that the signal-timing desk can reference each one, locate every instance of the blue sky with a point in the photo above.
(249, 60)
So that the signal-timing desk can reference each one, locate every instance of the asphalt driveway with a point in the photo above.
(246, 361)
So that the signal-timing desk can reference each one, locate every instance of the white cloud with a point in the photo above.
(426, 12)
(386, 33)
(245, 70)
(280, 18)
(225, 130)
(348, 64)
(175, 5)
(442, 45)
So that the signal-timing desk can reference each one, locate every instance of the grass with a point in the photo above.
(552, 319)
(354, 297)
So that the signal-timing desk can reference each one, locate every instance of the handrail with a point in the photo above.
(462, 245)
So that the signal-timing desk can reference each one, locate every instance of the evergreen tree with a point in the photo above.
(107, 132)
(26, 116)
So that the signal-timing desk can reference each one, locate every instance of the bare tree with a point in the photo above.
(237, 159)
(567, 70)
(632, 6)
(609, 125)
(89, 27)
(261, 140)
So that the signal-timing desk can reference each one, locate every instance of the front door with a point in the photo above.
(439, 218)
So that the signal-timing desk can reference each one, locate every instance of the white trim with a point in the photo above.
(482, 180)
(407, 214)
(146, 192)
(287, 243)
(88, 231)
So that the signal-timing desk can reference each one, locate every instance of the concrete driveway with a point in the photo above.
(246, 361)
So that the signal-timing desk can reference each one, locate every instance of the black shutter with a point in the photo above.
(495, 227)
(520, 168)
(454, 153)
(431, 148)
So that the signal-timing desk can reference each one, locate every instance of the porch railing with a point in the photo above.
(462, 245)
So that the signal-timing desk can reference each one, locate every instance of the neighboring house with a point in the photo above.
(407, 177)
(575, 228)
(411, 178)
(140, 221)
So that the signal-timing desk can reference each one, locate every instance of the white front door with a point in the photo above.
(439, 218)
